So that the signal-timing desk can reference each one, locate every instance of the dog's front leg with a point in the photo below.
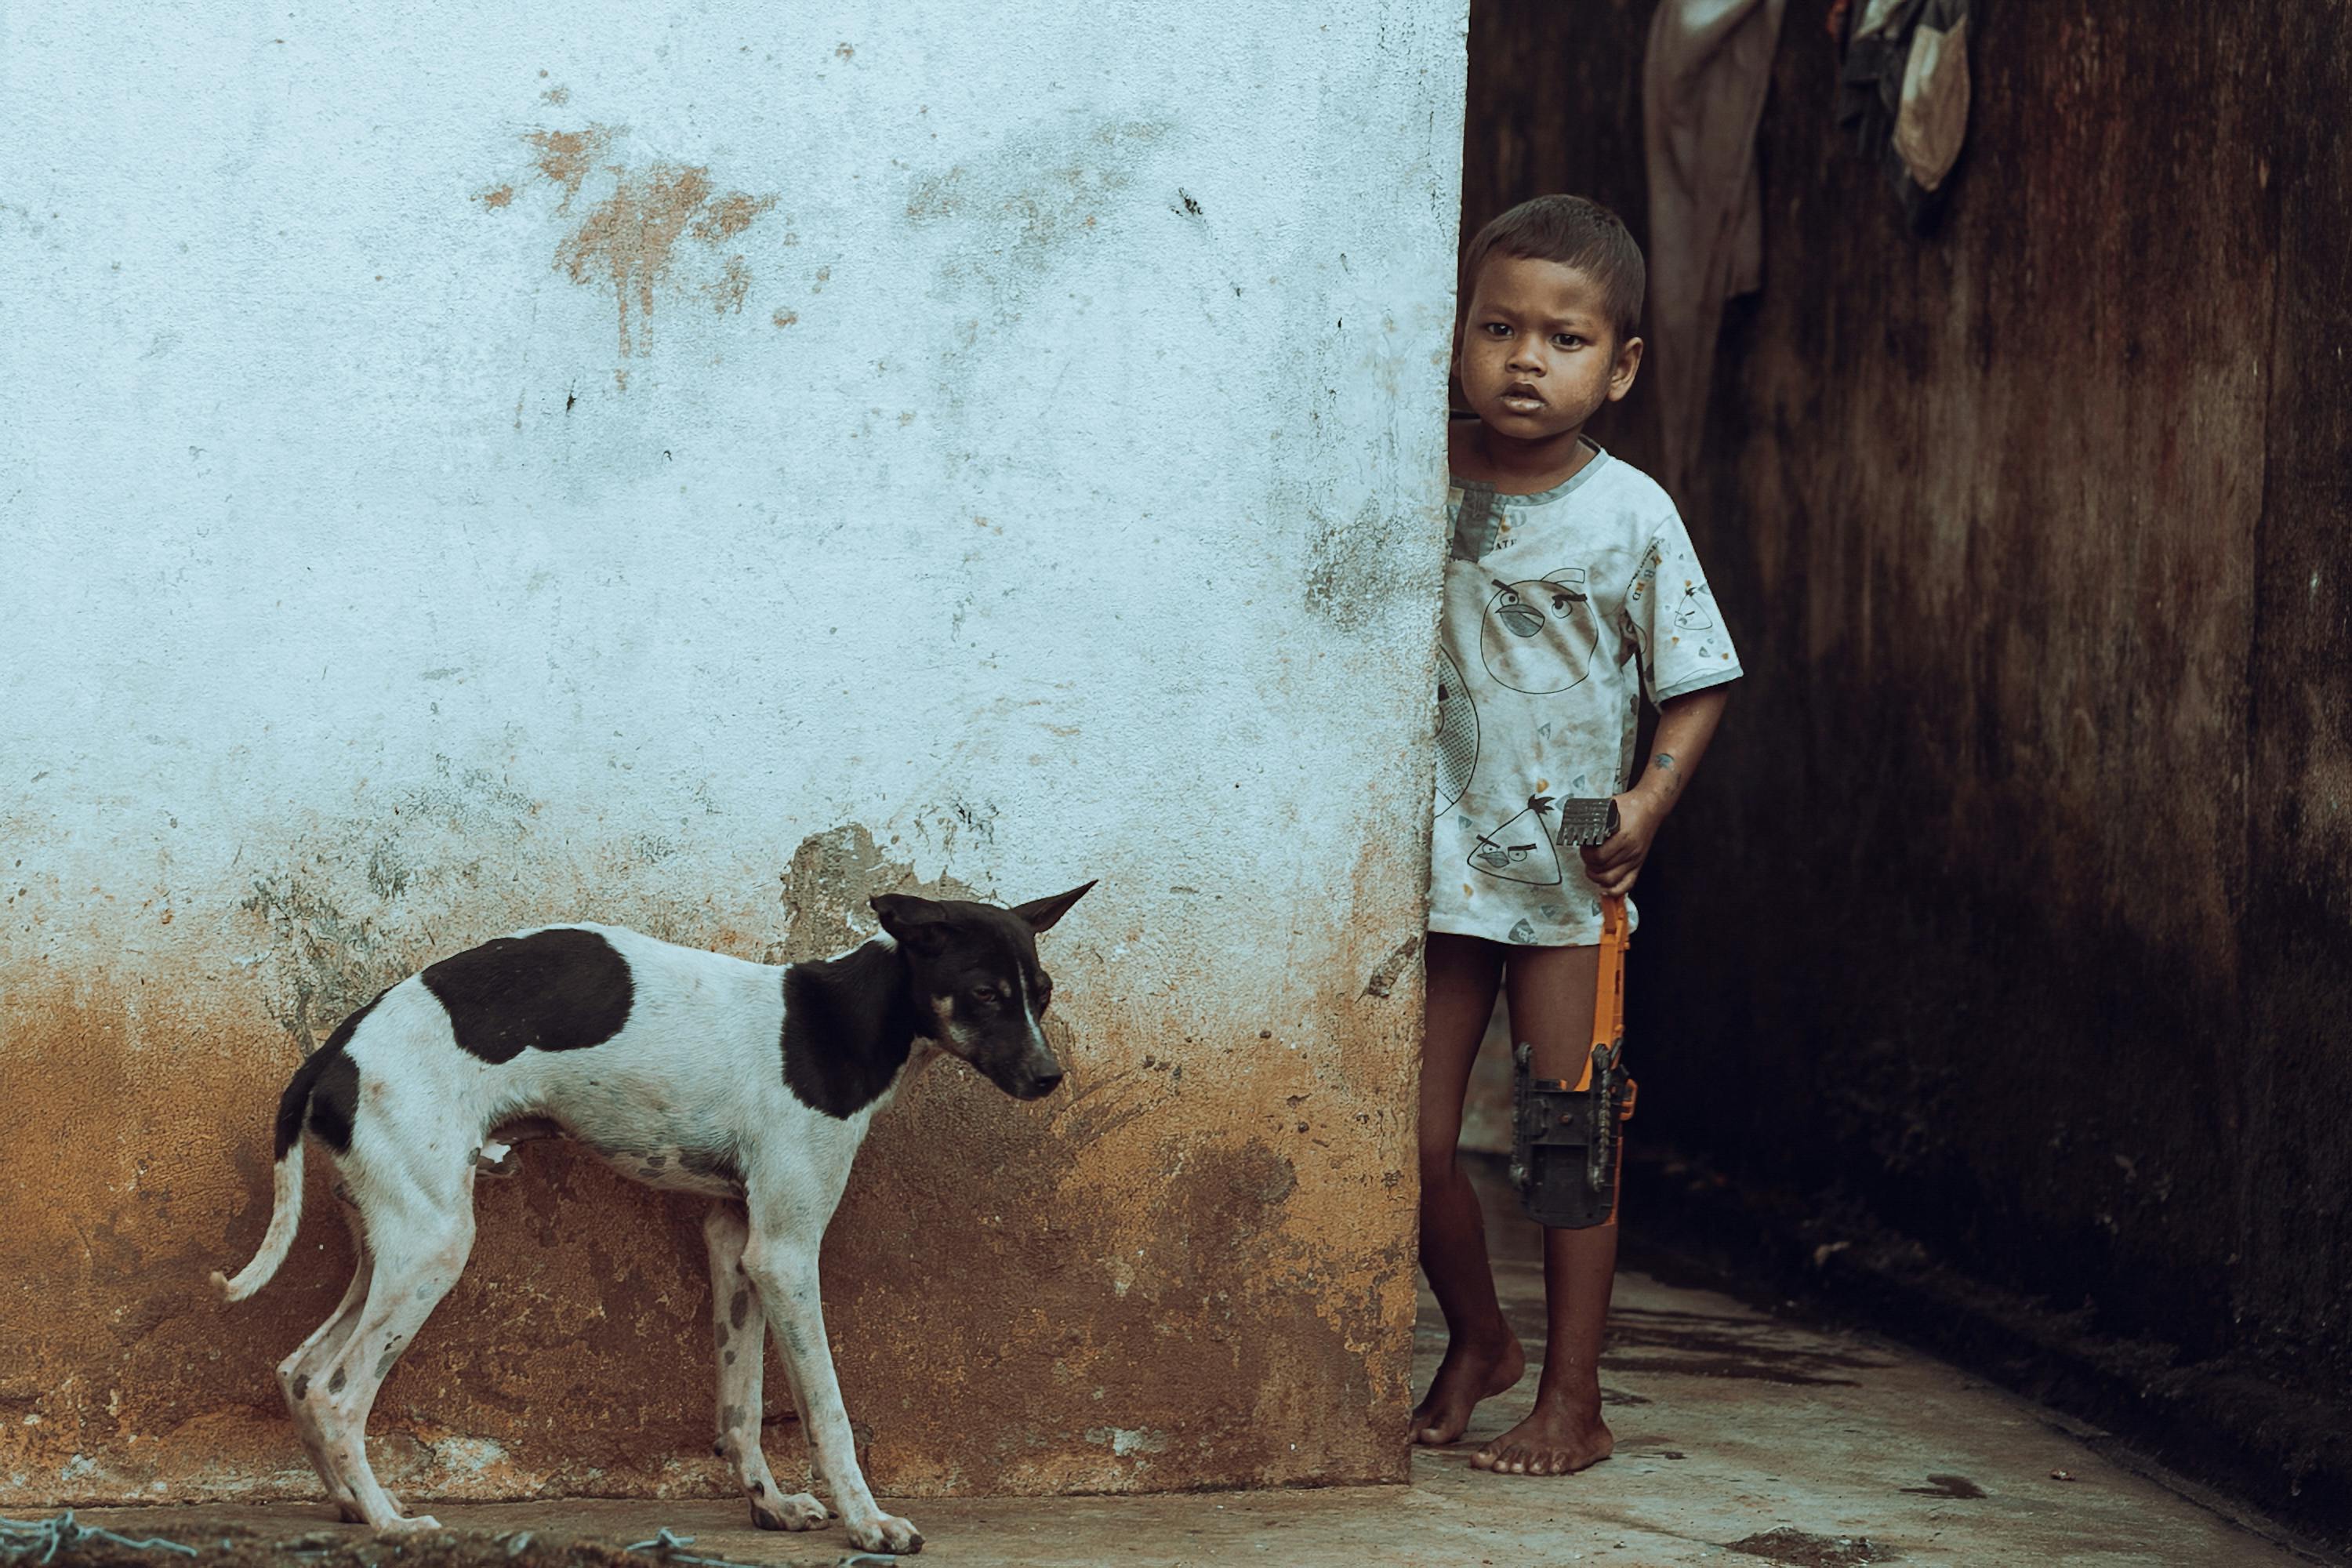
(783, 1264)
(739, 1325)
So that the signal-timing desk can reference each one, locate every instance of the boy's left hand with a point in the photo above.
(1615, 863)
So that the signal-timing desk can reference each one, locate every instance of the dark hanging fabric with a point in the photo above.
(1904, 90)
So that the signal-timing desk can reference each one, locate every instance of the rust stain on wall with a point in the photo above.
(1162, 1277)
(565, 156)
(629, 241)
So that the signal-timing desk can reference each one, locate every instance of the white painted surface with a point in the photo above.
(1063, 500)
(1064, 533)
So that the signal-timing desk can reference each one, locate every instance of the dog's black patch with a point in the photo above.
(848, 1025)
(327, 1065)
(562, 989)
(335, 1384)
(336, 1100)
(301, 1385)
(759, 1489)
(740, 1307)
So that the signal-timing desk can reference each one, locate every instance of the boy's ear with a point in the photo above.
(1042, 913)
(910, 920)
(1628, 366)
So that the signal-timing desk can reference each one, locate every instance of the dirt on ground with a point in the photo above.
(62, 1543)
(1803, 1549)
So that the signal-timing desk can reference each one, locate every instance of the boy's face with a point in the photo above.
(1537, 354)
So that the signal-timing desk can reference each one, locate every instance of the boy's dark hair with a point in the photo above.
(1575, 232)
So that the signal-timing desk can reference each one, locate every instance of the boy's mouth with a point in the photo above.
(1522, 399)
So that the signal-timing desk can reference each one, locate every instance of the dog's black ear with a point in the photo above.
(910, 920)
(1042, 913)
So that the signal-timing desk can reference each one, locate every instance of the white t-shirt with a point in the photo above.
(1562, 610)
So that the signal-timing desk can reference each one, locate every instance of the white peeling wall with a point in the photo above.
(466, 468)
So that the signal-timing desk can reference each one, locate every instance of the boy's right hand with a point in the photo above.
(1614, 865)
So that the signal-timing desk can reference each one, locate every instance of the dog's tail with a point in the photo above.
(286, 1210)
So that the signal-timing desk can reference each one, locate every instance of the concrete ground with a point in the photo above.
(1740, 1438)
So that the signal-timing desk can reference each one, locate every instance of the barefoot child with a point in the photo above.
(1570, 592)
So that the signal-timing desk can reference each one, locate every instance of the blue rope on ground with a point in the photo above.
(667, 1542)
(20, 1539)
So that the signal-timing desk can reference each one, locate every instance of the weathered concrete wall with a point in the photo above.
(2014, 901)
(688, 468)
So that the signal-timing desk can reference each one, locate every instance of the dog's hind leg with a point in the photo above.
(419, 1251)
(740, 1324)
(295, 1371)
(783, 1264)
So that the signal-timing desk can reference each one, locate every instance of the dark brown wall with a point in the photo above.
(2016, 899)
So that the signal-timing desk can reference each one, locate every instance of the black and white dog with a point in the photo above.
(751, 1083)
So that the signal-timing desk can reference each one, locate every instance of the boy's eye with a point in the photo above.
(1567, 339)
(1496, 330)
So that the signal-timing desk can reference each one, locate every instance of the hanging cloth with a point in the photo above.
(1703, 77)
(1904, 87)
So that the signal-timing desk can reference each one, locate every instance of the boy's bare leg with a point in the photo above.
(1482, 1354)
(1551, 1009)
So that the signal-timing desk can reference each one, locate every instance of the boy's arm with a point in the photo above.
(1686, 725)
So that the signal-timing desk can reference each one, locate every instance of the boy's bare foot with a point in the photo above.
(1469, 1373)
(1559, 1437)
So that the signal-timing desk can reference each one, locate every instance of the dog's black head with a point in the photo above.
(978, 983)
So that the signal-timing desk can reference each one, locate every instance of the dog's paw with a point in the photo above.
(887, 1532)
(801, 1512)
(417, 1525)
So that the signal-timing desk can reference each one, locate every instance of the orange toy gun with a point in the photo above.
(1567, 1152)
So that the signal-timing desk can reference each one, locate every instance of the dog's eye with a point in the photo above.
(1044, 994)
(985, 996)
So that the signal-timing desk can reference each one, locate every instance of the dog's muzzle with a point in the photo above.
(1033, 1075)
(1036, 1078)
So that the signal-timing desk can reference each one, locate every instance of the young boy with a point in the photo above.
(1571, 590)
